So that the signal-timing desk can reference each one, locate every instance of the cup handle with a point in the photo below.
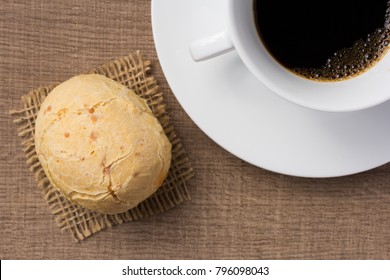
(211, 46)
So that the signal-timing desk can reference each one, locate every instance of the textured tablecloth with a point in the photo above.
(237, 210)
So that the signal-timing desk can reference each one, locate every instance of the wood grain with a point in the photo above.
(237, 210)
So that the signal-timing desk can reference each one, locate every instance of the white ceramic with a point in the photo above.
(239, 31)
(243, 116)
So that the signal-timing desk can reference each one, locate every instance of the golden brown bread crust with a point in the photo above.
(100, 144)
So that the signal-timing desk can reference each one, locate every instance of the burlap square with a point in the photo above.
(134, 72)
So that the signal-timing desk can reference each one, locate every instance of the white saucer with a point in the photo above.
(240, 114)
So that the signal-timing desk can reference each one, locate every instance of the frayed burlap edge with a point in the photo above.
(134, 72)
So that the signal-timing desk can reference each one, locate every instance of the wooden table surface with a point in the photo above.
(237, 210)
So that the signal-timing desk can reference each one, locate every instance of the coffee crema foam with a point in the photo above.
(352, 61)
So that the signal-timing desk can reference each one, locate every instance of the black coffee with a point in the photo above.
(324, 40)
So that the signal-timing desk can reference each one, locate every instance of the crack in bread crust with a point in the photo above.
(103, 103)
(116, 161)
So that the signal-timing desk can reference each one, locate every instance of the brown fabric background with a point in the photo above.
(237, 210)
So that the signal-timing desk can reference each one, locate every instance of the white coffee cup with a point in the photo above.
(365, 90)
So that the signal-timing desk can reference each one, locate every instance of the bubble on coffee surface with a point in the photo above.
(351, 61)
